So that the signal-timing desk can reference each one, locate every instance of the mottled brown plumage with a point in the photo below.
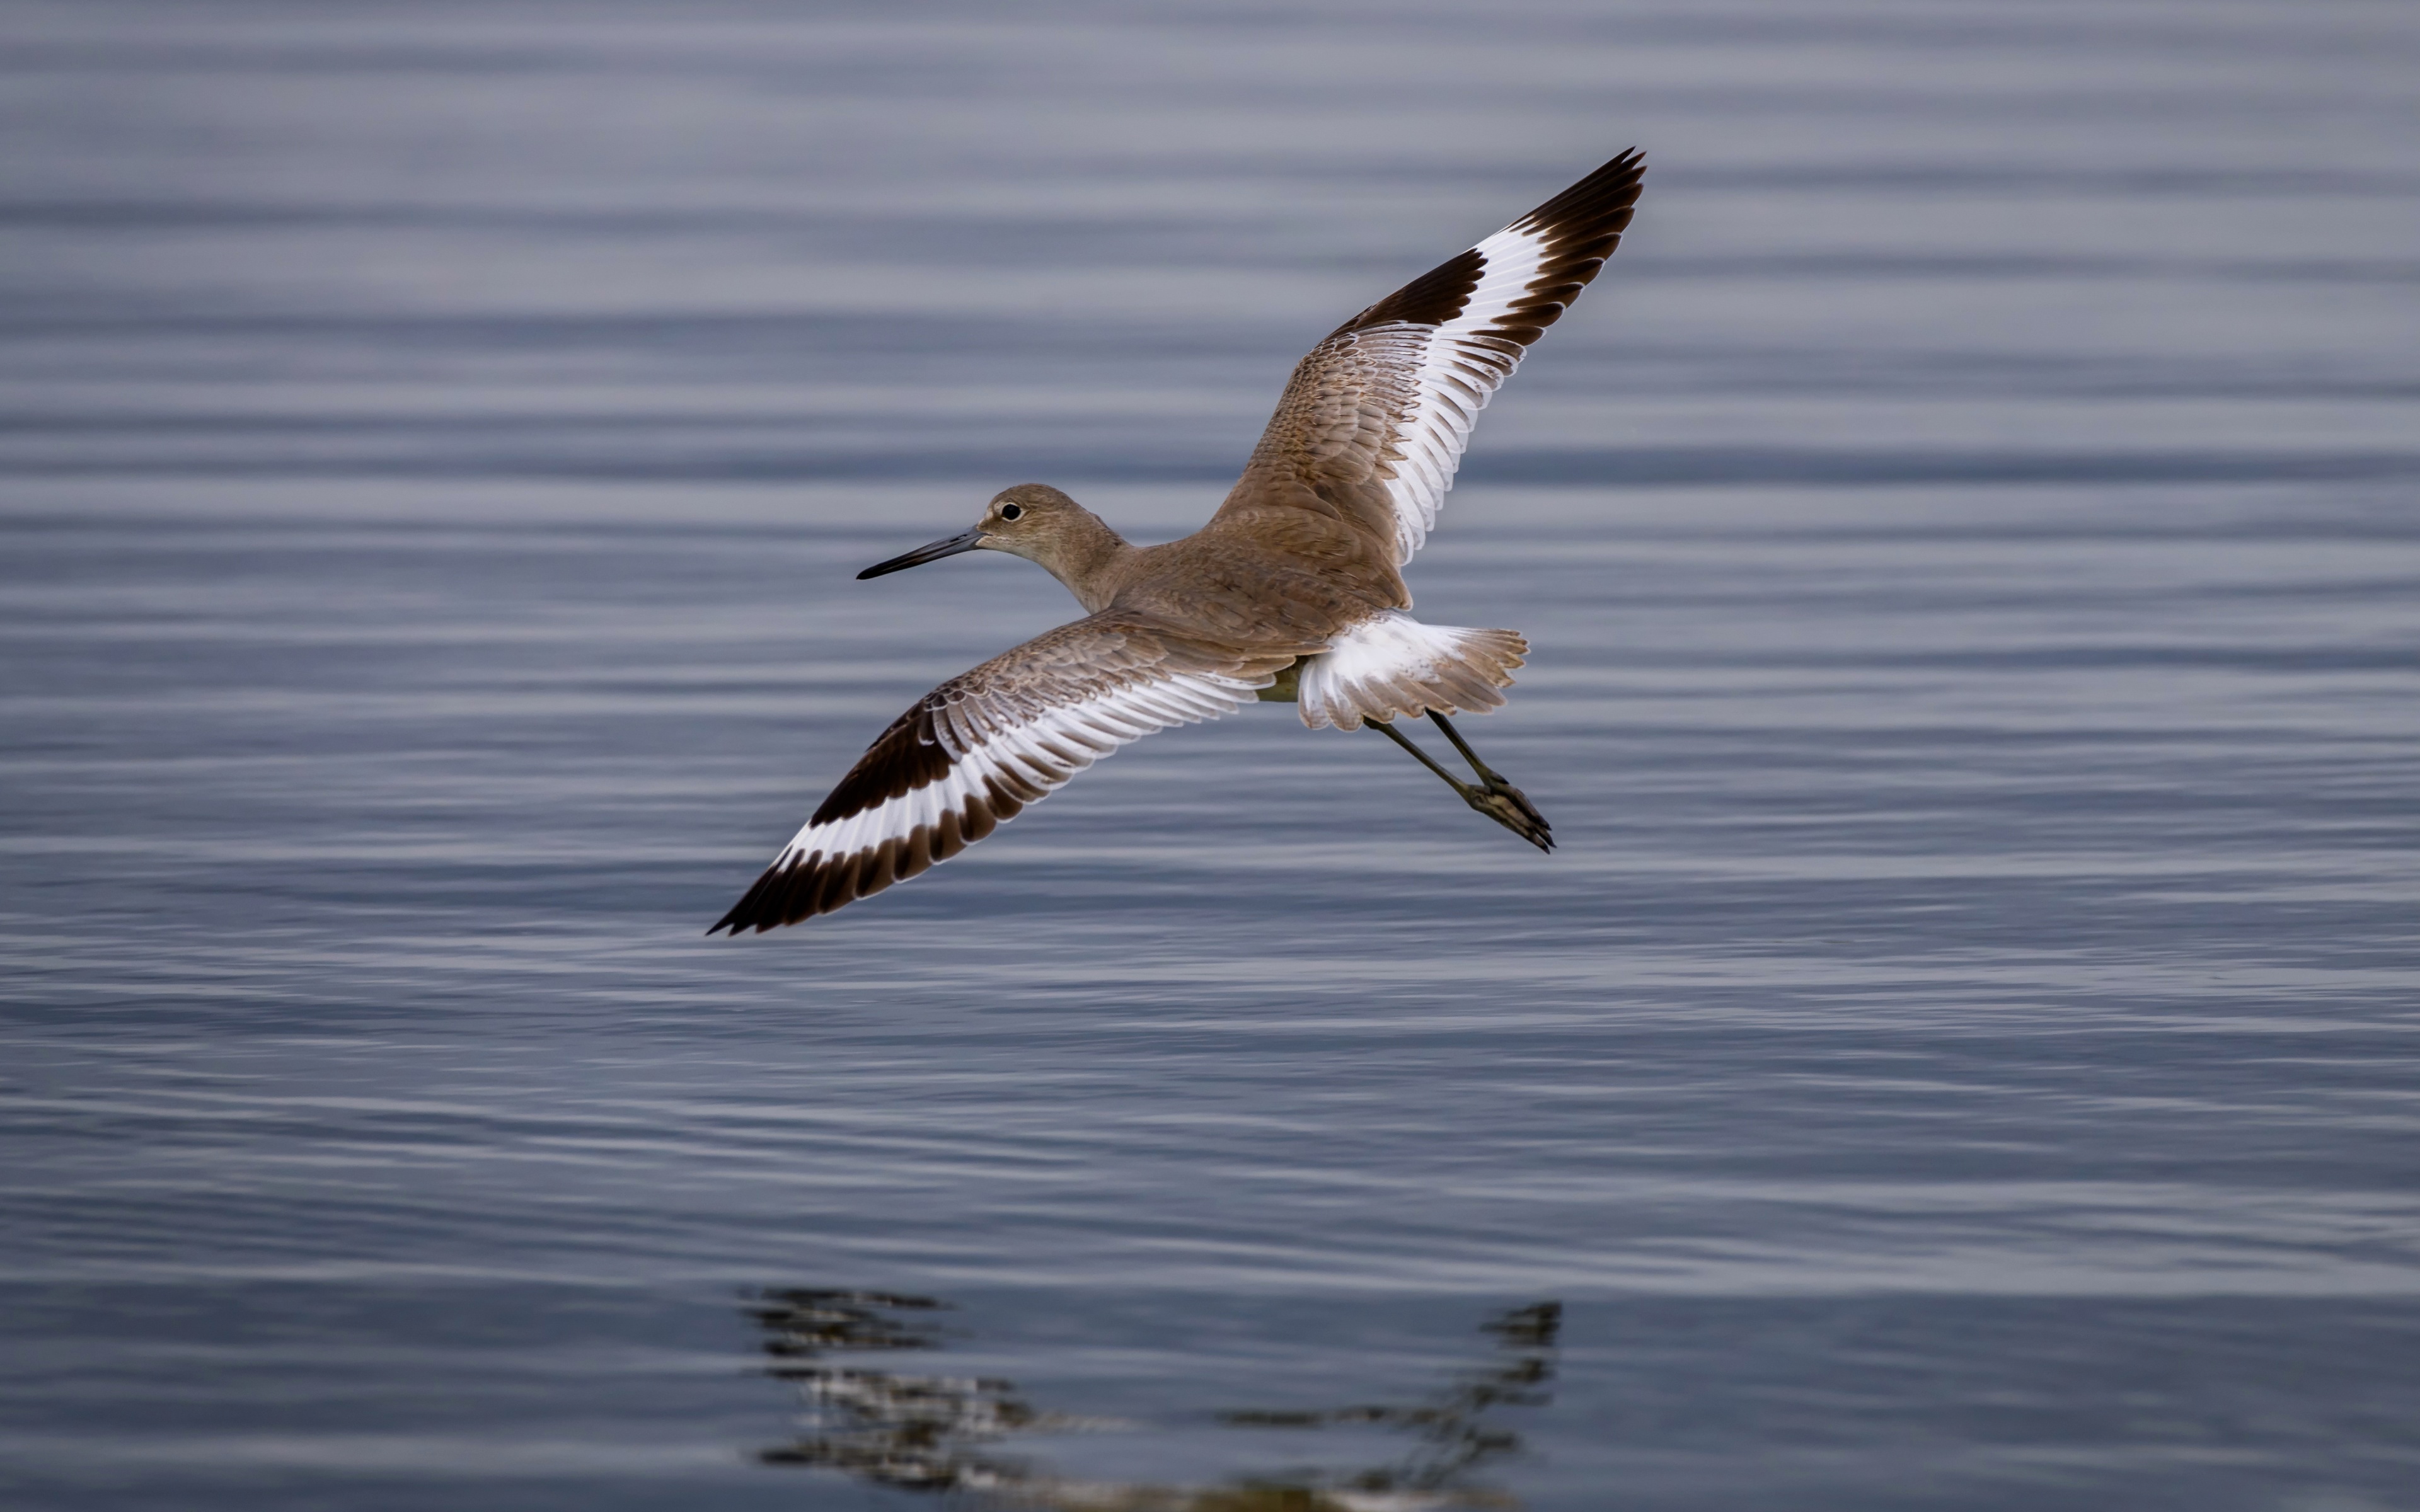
(1297, 575)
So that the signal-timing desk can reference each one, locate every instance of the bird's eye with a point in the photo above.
(1012, 511)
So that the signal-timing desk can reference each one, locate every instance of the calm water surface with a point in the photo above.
(1965, 1054)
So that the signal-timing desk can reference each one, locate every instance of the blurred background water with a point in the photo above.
(1962, 1056)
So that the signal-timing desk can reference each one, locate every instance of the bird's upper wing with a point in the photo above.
(975, 750)
(1375, 420)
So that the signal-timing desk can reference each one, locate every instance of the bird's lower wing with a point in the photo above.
(975, 750)
(1373, 423)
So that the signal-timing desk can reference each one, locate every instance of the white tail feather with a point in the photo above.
(1394, 666)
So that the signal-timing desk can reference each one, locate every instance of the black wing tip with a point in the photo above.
(1597, 204)
(906, 756)
(1431, 300)
(800, 887)
(1583, 225)
(792, 890)
(761, 907)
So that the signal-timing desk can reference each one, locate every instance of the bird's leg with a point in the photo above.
(1495, 797)
(1531, 825)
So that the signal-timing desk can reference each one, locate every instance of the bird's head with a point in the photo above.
(1032, 521)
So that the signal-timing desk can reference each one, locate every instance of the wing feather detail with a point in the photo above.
(975, 751)
(1372, 425)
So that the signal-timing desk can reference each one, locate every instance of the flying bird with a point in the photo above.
(1292, 593)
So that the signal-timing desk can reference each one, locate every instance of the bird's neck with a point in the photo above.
(1093, 560)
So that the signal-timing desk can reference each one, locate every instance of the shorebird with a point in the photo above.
(1292, 593)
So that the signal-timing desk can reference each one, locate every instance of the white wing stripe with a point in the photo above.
(1455, 371)
(1026, 758)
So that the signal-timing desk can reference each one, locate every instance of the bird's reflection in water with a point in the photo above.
(944, 1433)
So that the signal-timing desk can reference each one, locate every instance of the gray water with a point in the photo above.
(1962, 1056)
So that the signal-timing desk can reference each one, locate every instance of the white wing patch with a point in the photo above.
(1459, 365)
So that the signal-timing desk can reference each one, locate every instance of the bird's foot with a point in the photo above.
(1495, 797)
(1508, 806)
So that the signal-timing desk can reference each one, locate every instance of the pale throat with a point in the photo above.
(1090, 560)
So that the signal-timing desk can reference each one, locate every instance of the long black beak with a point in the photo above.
(963, 541)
